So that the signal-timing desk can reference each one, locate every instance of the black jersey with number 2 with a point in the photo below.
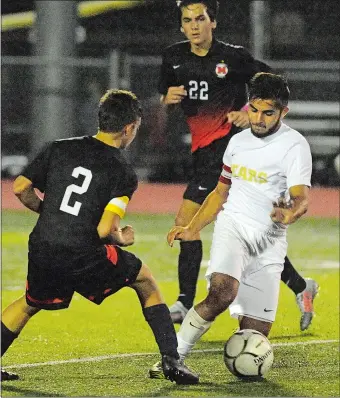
(215, 83)
(79, 177)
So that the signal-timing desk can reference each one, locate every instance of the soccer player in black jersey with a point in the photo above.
(208, 78)
(76, 243)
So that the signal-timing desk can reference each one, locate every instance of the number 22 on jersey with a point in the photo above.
(79, 189)
(198, 90)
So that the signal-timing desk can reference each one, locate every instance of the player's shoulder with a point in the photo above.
(178, 48)
(292, 135)
(72, 140)
(231, 48)
(242, 136)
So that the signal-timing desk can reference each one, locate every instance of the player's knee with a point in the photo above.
(255, 324)
(145, 280)
(26, 308)
(219, 301)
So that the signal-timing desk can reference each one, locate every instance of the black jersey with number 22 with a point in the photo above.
(215, 83)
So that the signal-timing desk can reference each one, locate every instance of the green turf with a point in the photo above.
(117, 327)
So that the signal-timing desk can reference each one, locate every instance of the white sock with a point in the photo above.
(191, 330)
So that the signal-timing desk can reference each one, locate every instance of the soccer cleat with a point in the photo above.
(156, 371)
(305, 302)
(178, 312)
(175, 370)
(6, 376)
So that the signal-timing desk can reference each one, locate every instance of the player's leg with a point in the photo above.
(305, 290)
(112, 268)
(227, 260)
(189, 262)
(14, 319)
(158, 317)
(222, 292)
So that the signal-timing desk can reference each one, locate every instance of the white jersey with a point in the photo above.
(263, 169)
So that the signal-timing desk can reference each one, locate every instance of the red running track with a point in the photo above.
(166, 198)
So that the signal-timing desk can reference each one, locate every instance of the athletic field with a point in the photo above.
(106, 351)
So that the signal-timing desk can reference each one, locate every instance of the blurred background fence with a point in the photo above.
(122, 47)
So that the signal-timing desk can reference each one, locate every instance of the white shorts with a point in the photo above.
(255, 258)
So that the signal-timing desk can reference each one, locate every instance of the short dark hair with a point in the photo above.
(212, 7)
(117, 108)
(271, 87)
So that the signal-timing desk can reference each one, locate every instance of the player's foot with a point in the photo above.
(175, 370)
(305, 302)
(156, 371)
(178, 312)
(6, 376)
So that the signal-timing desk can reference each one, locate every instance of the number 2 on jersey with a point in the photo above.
(74, 210)
(198, 91)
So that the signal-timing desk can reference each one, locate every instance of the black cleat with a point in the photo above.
(6, 376)
(175, 370)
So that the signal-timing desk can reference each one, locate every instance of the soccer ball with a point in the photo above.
(248, 354)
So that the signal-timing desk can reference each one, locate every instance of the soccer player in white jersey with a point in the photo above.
(261, 165)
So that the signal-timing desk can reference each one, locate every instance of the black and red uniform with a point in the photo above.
(79, 177)
(216, 84)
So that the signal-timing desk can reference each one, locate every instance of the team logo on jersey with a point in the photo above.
(221, 70)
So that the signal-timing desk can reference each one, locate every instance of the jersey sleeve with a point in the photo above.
(167, 76)
(121, 195)
(36, 171)
(226, 174)
(298, 164)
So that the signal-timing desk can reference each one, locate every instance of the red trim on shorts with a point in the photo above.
(111, 254)
(48, 301)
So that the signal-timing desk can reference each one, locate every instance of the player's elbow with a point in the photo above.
(20, 185)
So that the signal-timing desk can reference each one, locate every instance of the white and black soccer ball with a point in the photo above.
(248, 354)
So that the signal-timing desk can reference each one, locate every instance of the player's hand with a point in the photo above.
(239, 118)
(178, 233)
(127, 235)
(174, 95)
(282, 203)
(281, 215)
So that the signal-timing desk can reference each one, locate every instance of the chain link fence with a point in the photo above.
(161, 151)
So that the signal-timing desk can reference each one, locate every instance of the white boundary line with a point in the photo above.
(141, 354)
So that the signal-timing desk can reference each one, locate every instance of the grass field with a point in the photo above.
(80, 351)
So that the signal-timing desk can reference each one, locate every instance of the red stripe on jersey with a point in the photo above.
(227, 168)
(111, 254)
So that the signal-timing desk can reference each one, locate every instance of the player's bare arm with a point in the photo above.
(174, 95)
(239, 118)
(109, 227)
(299, 205)
(205, 215)
(24, 191)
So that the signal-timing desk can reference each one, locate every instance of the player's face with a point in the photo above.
(264, 117)
(130, 133)
(196, 24)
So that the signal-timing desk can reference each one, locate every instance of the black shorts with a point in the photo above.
(207, 165)
(54, 276)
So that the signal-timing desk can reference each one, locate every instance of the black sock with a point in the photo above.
(292, 278)
(7, 338)
(158, 317)
(189, 263)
